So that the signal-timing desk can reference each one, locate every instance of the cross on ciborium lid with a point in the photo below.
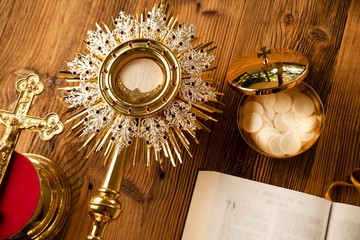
(17, 120)
(268, 71)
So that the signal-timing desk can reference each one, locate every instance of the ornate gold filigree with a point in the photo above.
(154, 122)
(136, 95)
(17, 120)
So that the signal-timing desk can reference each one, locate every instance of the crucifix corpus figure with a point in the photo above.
(17, 120)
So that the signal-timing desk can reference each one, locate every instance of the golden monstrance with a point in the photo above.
(141, 88)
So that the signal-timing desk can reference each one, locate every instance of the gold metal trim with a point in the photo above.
(126, 52)
(106, 205)
(268, 71)
(17, 120)
(54, 203)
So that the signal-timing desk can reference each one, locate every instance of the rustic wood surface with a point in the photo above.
(38, 35)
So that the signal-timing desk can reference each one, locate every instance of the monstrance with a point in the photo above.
(142, 87)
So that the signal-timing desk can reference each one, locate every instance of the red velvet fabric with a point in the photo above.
(19, 195)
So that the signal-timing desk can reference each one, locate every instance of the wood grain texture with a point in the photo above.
(37, 36)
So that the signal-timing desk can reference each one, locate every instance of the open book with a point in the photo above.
(228, 207)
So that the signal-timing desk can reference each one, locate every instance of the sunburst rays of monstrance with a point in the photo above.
(118, 117)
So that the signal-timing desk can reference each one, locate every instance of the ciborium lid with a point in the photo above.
(268, 71)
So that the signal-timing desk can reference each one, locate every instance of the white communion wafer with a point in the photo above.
(263, 138)
(253, 106)
(253, 136)
(302, 129)
(306, 136)
(283, 103)
(290, 143)
(266, 99)
(307, 122)
(268, 122)
(274, 146)
(289, 119)
(142, 74)
(303, 106)
(252, 122)
(297, 95)
(279, 124)
(269, 110)
(267, 125)
(257, 134)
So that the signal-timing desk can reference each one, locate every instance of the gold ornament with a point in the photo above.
(150, 123)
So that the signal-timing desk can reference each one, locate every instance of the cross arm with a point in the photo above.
(18, 120)
(2, 119)
(28, 88)
(47, 127)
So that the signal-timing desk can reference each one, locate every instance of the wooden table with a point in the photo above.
(37, 36)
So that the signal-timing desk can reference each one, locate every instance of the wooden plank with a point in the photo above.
(37, 36)
(340, 143)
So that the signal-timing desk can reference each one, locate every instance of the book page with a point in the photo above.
(344, 222)
(201, 205)
(247, 210)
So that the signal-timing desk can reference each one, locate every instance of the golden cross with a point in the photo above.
(262, 53)
(17, 120)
